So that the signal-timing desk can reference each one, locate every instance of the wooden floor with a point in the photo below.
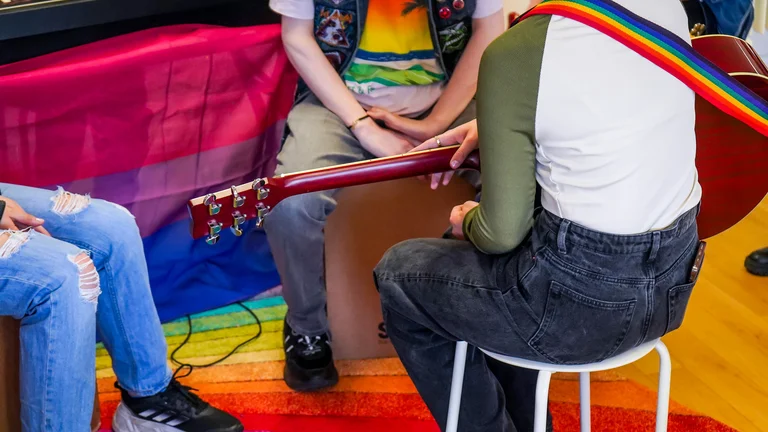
(720, 354)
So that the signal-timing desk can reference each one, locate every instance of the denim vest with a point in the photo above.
(732, 17)
(729, 17)
(339, 25)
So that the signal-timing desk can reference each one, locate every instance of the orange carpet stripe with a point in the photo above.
(623, 394)
(266, 370)
(257, 366)
(352, 385)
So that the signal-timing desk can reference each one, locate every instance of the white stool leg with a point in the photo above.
(457, 382)
(665, 378)
(584, 401)
(542, 402)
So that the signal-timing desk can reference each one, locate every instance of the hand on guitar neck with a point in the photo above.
(466, 136)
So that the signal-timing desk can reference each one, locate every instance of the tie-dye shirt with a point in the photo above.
(395, 67)
(396, 51)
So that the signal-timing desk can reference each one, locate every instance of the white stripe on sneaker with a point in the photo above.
(126, 421)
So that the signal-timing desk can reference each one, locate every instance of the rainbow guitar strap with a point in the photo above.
(666, 50)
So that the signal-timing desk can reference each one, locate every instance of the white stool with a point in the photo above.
(545, 373)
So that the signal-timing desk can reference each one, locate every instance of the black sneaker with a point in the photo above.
(308, 361)
(757, 262)
(173, 410)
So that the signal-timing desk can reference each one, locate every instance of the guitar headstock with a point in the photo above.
(231, 208)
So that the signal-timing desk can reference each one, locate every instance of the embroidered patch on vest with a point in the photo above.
(334, 27)
(454, 38)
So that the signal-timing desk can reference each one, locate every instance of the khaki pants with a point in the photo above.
(295, 228)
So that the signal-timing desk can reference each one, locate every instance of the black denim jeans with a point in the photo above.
(567, 295)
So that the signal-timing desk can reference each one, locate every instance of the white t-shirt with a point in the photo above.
(395, 67)
(597, 176)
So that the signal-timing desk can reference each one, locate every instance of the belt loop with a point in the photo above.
(655, 244)
(561, 233)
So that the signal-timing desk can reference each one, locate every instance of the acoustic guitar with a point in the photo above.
(732, 161)
(731, 157)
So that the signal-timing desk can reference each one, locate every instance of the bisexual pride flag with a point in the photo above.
(149, 120)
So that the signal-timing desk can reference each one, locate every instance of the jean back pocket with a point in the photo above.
(578, 329)
(677, 303)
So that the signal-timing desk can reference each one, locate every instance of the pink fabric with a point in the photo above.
(141, 99)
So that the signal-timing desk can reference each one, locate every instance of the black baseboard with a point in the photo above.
(37, 29)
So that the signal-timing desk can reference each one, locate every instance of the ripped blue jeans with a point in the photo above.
(90, 275)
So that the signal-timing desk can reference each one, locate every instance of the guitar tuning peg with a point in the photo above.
(237, 199)
(214, 228)
(261, 212)
(213, 206)
(237, 220)
(260, 186)
(698, 30)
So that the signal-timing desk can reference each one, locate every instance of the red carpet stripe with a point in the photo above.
(565, 418)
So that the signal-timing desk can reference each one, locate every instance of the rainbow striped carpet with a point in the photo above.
(372, 395)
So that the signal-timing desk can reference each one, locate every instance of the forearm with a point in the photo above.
(462, 86)
(505, 214)
(507, 98)
(320, 76)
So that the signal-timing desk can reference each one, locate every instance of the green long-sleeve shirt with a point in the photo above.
(608, 135)
(507, 93)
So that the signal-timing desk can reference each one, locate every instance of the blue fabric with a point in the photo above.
(189, 276)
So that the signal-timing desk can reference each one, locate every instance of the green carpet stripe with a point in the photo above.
(223, 346)
(216, 322)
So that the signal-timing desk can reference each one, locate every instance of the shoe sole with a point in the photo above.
(329, 378)
(125, 421)
(755, 269)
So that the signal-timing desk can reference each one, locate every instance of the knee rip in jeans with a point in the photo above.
(89, 277)
(66, 203)
(11, 242)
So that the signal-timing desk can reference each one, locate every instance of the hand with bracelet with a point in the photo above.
(379, 141)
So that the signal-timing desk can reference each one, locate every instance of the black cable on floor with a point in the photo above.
(191, 367)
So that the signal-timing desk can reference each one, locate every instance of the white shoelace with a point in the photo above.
(308, 341)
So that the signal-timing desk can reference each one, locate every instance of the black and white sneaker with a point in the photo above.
(308, 361)
(173, 410)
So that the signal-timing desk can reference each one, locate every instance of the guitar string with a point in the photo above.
(191, 367)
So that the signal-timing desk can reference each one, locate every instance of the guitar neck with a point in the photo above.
(373, 171)
(253, 201)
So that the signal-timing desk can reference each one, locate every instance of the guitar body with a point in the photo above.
(731, 157)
